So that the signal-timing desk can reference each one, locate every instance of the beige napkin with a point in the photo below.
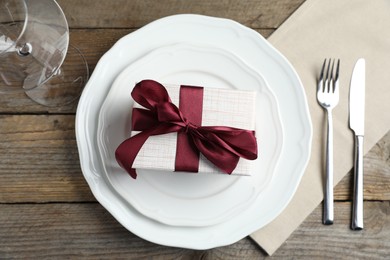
(345, 29)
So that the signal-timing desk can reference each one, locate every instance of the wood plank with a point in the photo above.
(40, 163)
(313, 240)
(36, 231)
(61, 231)
(136, 13)
(93, 43)
(39, 160)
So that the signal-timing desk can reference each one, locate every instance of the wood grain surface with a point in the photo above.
(47, 210)
(63, 230)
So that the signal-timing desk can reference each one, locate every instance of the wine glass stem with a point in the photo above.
(25, 49)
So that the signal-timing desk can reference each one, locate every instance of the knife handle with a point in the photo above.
(357, 207)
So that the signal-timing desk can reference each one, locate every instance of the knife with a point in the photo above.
(356, 123)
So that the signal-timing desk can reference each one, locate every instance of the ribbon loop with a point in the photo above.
(149, 93)
(168, 112)
(221, 145)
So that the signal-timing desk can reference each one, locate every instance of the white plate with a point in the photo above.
(184, 199)
(249, 46)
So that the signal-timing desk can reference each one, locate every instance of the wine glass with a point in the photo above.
(34, 42)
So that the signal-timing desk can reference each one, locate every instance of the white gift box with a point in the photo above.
(221, 107)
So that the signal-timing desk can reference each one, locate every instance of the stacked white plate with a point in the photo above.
(196, 211)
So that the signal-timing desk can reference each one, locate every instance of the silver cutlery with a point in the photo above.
(356, 123)
(328, 98)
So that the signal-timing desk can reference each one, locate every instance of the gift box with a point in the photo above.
(191, 117)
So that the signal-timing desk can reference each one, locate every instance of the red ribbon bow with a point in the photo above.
(221, 145)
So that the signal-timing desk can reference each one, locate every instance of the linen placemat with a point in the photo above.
(345, 29)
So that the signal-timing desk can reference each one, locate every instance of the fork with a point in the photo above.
(328, 98)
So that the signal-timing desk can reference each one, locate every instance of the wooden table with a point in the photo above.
(48, 211)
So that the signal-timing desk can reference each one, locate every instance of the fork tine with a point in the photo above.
(327, 78)
(337, 69)
(336, 78)
(331, 78)
(321, 79)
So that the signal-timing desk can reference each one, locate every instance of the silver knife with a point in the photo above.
(356, 123)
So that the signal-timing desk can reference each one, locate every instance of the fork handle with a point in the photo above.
(328, 198)
(357, 207)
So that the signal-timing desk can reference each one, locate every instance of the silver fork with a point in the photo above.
(328, 98)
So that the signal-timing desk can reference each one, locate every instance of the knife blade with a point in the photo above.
(356, 123)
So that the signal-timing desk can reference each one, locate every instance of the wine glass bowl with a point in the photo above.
(13, 20)
(34, 41)
(12, 23)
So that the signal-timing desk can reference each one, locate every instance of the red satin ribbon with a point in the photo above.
(191, 106)
(221, 145)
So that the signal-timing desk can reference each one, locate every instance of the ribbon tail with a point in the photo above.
(223, 146)
(239, 142)
(127, 151)
(219, 156)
